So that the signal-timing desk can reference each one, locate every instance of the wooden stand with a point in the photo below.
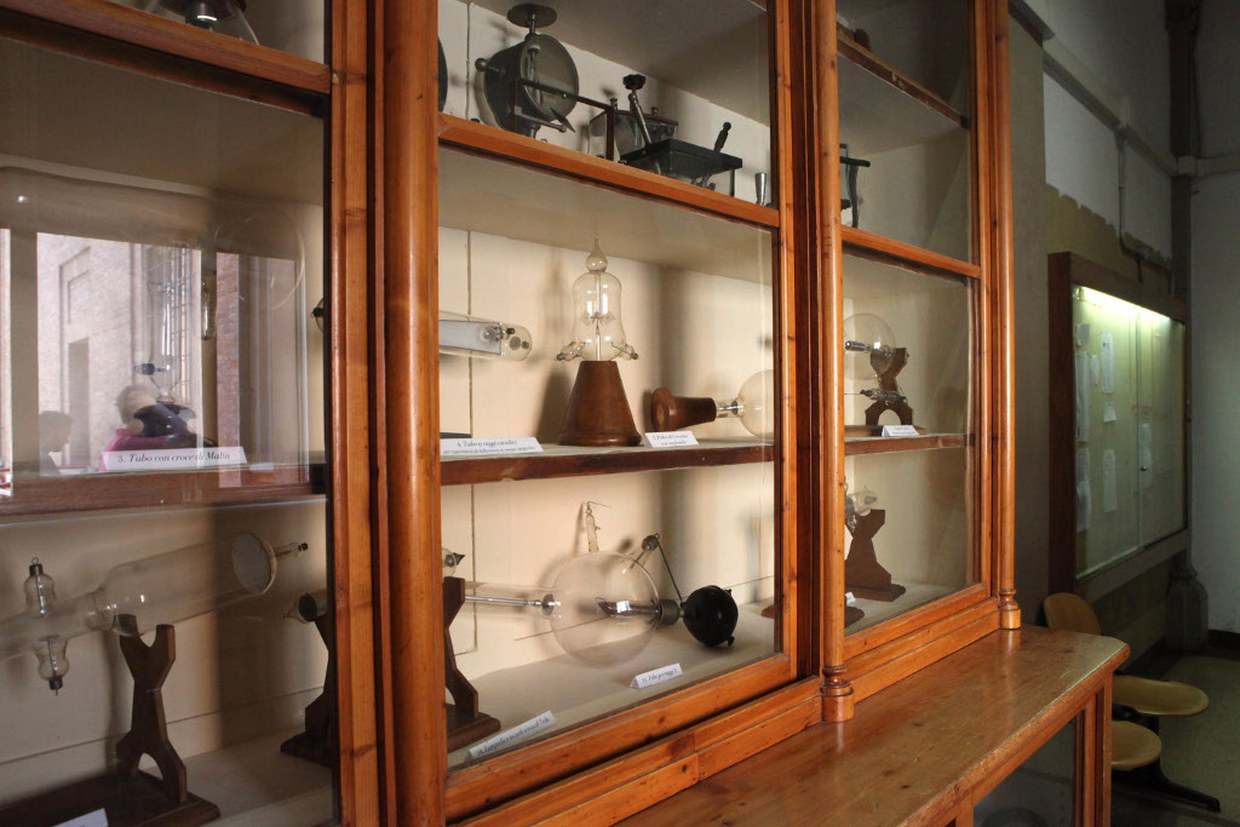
(671, 413)
(465, 723)
(598, 410)
(127, 796)
(863, 575)
(851, 613)
(319, 742)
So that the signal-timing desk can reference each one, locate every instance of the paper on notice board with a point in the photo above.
(1082, 334)
(1082, 396)
(1108, 412)
(1084, 499)
(1095, 369)
(1110, 498)
(1107, 347)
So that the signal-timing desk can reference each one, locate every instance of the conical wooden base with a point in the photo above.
(598, 411)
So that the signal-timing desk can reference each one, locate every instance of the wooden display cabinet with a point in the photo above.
(414, 200)
(176, 202)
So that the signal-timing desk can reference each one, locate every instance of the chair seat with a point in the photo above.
(1133, 746)
(1159, 698)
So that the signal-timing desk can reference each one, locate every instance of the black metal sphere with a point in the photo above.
(710, 615)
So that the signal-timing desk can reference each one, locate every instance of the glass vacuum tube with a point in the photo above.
(598, 332)
(753, 406)
(869, 346)
(598, 411)
(603, 607)
(462, 335)
(137, 596)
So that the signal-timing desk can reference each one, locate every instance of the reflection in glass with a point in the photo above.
(146, 302)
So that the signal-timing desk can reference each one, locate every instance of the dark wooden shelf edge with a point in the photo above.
(495, 142)
(854, 446)
(96, 492)
(863, 58)
(867, 244)
(149, 31)
(542, 466)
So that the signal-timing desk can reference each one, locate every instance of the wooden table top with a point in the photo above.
(915, 750)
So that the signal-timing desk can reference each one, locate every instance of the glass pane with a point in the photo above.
(161, 407)
(908, 417)
(927, 41)
(904, 86)
(1160, 436)
(697, 69)
(288, 25)
(1041, 791)
(558, 617)
(1129, 427)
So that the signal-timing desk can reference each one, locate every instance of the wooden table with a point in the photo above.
(927, 749)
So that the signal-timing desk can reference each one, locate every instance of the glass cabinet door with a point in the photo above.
(162, 430)
(609, 360)
(906, 143)
(911, 293)
(910, 467)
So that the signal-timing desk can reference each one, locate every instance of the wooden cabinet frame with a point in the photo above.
(383, 471)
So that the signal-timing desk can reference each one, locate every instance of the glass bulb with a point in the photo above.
(53, 661)
(868, 346)
(603, 607)
(598, 333)
(40, 591)
(754, 403)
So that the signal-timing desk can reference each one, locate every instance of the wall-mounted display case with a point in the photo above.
(1118, 366)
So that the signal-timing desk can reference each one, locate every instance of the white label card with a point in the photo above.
(511, 736)
(488, 447)
(172, 459)
(656, 676)
(98, 818)
(668, 439)
(900, 430)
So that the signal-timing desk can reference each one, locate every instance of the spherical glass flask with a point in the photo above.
(598, 332)
(606, 608)
(869, 346)
(754, 405)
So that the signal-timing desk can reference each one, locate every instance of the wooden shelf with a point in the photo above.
(916, 594)
(499, 187)
(578, 691)
(113, 22)
(872, 245)
(858, 445)
(92, 492)
(529, 152)
(567, 461)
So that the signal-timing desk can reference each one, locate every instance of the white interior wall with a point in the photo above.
(1216, 396)
(1215, 308)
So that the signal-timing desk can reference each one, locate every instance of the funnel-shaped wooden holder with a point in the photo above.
(598, 411)
(671, 413)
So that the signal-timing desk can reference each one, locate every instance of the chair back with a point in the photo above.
(1070, 612)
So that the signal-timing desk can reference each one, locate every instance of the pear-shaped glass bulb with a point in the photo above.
(598, 332)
